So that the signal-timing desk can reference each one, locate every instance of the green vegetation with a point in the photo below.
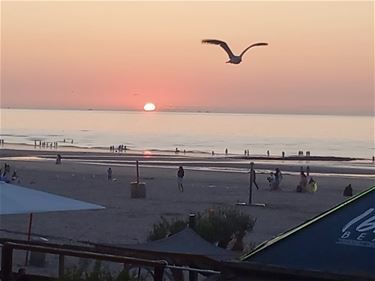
(214, 225)
(98, 273)
(164, 228)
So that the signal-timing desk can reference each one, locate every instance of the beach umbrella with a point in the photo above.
(186, 242)
(15, 199)
(339, 242)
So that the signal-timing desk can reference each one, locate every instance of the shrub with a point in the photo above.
(164, 228)
(222, 225)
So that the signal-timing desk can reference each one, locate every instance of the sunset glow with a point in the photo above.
(149, 106)
(116, 54)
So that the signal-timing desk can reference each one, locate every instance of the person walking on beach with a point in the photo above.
(275, 179)
(180, 177)
(58, 159)
(109, 173)
(301, 187)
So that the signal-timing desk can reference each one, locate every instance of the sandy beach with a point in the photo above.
(208, 182)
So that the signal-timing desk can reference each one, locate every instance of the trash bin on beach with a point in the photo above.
(137, 190)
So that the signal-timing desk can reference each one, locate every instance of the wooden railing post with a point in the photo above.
(7, 262)
(158, 272)
(61, 265)
(193, 276)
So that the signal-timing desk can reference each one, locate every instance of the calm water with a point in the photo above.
(200, 132)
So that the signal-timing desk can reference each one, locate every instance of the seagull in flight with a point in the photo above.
(232, 57)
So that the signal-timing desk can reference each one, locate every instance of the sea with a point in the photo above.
(197, 133)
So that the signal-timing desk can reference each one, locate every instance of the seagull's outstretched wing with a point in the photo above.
(221, 44)
(253, 45)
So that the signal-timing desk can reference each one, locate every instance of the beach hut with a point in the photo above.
(338, 244)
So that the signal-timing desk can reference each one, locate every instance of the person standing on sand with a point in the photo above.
(109, 173)
(180, 177)
(301, 187)
(275, 182)
(348, 191)
(58, 159)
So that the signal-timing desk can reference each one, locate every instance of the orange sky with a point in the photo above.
(119, 55)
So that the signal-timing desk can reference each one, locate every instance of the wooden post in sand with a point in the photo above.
(251, 183)
(137, 188)
(137, 167)
(252, 180)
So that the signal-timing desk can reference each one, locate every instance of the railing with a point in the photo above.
(62, 251)
(9, 247)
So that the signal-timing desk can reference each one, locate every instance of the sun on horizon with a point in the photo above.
(149, 107)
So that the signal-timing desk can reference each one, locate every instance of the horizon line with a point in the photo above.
(186, 110)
